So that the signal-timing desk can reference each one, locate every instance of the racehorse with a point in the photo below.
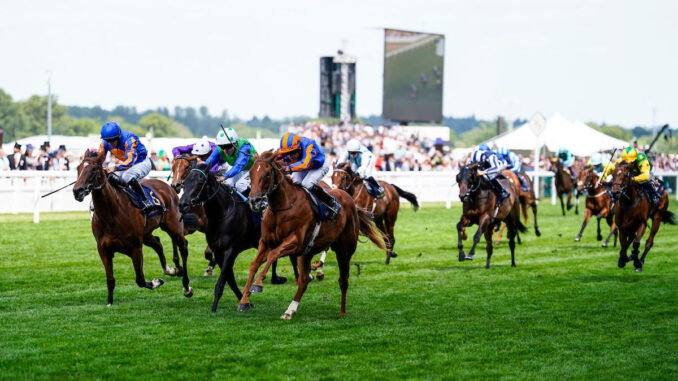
(384, 210)
(564, 186)
(120, 227)
(525, 198)
(230, 227)
(196, 220)
(478, 208)
(631, 211)
(289, 227)
(598, 203)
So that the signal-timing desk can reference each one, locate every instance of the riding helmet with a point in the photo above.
(110, 131)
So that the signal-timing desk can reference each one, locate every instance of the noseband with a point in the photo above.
(191, 165)
(198, 201)
(275, 184)
(348, 176)
(98, 167)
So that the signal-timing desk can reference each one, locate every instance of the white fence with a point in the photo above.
(20, 191)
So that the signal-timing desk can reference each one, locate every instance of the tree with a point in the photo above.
(164, 126)
(11, 118)
(34, 110)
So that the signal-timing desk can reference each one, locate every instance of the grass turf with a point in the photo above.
(566, 311)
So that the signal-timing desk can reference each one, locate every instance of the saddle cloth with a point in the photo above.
(149, 193)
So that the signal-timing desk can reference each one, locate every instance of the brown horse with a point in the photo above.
(598, 203)
(195, 220)
(384, 210)
(631, 212)
(525, 198)
(478, 208)
(564, 185)
(289, 227)
(120, 227)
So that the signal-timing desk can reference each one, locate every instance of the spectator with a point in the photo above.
(31, 160)
(17, 161)
(4, 162)
(163, 162)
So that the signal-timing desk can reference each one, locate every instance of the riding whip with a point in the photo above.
(607, 166)
(52, 192)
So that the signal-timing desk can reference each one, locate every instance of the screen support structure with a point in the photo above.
(345, 103)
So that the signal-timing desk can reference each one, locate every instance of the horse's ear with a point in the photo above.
(473, 166)
(256, 155)
(101, 156)
(86, 154)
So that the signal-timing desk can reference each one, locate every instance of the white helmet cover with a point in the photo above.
(353, 145)
(230, 137)
(201, 147)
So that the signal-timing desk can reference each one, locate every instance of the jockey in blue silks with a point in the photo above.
(135, 163)
(306, 160)
(235, 156)
(490, 166)
(362, 163)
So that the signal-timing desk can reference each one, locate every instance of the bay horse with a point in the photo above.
(631, 212)
(196, 219)
(525, 198)
(478, 208)
(598, 203)
(564, 186)
(120, 227)
(384, 210)
(289, 227)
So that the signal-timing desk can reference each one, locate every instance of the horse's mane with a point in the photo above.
(271, 156)
(346, 167)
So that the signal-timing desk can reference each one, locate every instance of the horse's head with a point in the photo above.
(590, 180)
(622, 177)
(181, 167)
(468, 181)
(265, 176)
(583, 179)
(91, 175)
(343, 176)
(198, 185)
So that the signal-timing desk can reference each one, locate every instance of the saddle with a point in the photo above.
(138, 202)
(319, 210)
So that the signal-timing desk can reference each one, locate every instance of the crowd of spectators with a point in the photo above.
(42, 159)
(395, 150)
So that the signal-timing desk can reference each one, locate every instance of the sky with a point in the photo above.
(593, 60)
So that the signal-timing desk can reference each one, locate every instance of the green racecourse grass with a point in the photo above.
(566, 311)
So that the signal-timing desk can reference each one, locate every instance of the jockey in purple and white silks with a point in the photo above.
(490, 166)
(513, 164)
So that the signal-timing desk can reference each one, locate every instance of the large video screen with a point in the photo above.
(413, 76)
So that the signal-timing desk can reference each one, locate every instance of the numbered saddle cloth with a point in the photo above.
(150, 195)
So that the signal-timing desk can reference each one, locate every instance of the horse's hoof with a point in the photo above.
(639, 269)
(393, 254)
(621, 263)
(316, 265)
(286, 316)
(278, 280)
(320, 275)
(599, 238)
(171, 271)
(188, 293)
(577, 239)
(310, 277)
(537, 232)
(208, 271)
(469, 257)
(257, 288)
(245, 306)
(109, 304)
(157, 282)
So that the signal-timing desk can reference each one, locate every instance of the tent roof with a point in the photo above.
(576, 136)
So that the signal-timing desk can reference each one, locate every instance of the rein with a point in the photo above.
(191, 165)
(275, 185)
(195, 202)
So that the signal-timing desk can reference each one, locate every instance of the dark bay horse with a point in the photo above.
(598, 203)
(564, 186)
(196, 219)
(229, 225)
(478, 208)
(119, 227)
(631, 212)
(525, 198)
(289, 227)
(384, 210)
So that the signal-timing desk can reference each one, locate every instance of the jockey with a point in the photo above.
(642, 167)
(490, 166)
(203, 148)
(596, 162)
(362, 163)
(513, 164)
(236, 155)
(306, 160)
(135, 163)
(567, 158)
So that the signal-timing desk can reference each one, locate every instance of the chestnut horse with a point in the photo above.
(525, 198)
(631, 212)
(598, 203)
(564, 186)
(289, 227)
(478, 208)
(384, 210)
(196, 219)
(120, 227)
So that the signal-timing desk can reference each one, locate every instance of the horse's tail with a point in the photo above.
(407, 196)
(369, 229)
(669, 217)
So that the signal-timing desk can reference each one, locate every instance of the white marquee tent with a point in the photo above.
(576, 136)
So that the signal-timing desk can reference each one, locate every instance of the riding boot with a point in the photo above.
(501, 192)
(328, 200)
(651, 193)
(379, 190)
(147, 205)
(523, 183)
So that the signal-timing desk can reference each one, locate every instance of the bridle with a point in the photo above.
(345, 179)
(99, 168)
(188, 168)
(474, 185)
(276, 184)
(197, 201)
